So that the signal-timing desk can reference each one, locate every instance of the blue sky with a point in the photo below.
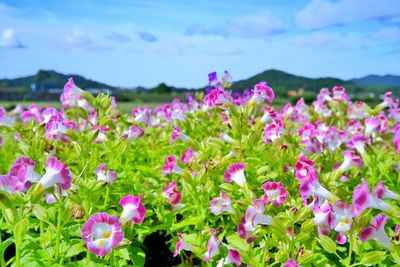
(131, 43)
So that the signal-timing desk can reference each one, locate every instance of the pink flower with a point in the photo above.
(172, 193)
(171, 166)
(236, 173)
(103, 174)
(350, 159)
(272, 132)
(262, 92)
(307, 133)
(8, 183)
(102, 233)
(305, 169)
(339, 93)
(141, 114)
(133, 209)
(221, 204)
(55, 129)
(72, 96)
(371, 125)
(212, 246)
(358, 142)
(343, 220)
(381, 192)
(188, 156)
(181, 244)
(324, 218)
(216, 97)
(290, 263)
(376, 231)
(177, 134)
(133, 133)
(56, 173)
(33, 112)
(24, 174)
(311, 188)
(362, 199)
(232, 258)
(5, 119)
(254, 216)
(275, 193)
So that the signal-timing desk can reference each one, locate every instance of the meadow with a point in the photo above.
(221, 180)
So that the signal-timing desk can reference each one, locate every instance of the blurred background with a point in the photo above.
(153, 51)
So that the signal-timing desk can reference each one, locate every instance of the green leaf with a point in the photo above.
(327, 244)
(137, 256)
(236, 242)
(75, 250)
(20, 229)
(373, 257)
(40, 212)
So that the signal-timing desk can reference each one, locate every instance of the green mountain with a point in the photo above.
(47, 79)
(282, 82)
(378, 80)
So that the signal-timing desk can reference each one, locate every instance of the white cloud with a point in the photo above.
(247, 26)
(332, 41)
(9, 39)
(83, 40)
(319, 14)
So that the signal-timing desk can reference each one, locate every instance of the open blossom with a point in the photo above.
(236, 173)
(343, 220)
(371, 125)
(188, 156)
(133, 133)
(72, 95)
(232, 258)
(362, 199)
(172, 193)
(324, 218)
(133, 209)
(181, 244)
(307, 133)
(5, 119)
(254, 216)
(212, 246)
(24, 174)
(339, 93)
(177, 134)
(221, 204)
(381, 192)
(275, 193)
(56, 173)
(358, 142)
(141, 114)
(33, 112)
(262, 92)
(216, 97)
(171, 166)
(350, 159)
(104, 174)
(305, 168)
(55, 129)
(312, 187)
(272, 132)
(8, 183)
(102, 233)
(377, 232)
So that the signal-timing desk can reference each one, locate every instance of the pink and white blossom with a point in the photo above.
(103, 174)
(133, 209)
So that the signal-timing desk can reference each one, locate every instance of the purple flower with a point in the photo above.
(133, 209)
(56, 173)
(236, 173)
(377, 232)
(103, 174)
(102, 233)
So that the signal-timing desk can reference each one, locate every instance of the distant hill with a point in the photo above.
(282, 82)
(378, 80)
(48, 79)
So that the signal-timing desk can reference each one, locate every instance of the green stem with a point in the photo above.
(348, 262)
(106, 197)
(17, 254)
(58, 234)
(2, 261)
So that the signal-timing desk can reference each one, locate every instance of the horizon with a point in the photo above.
(146, 43)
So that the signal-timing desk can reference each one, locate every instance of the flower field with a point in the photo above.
(224, 179)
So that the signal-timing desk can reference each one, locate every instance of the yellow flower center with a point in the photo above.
(106, 234)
